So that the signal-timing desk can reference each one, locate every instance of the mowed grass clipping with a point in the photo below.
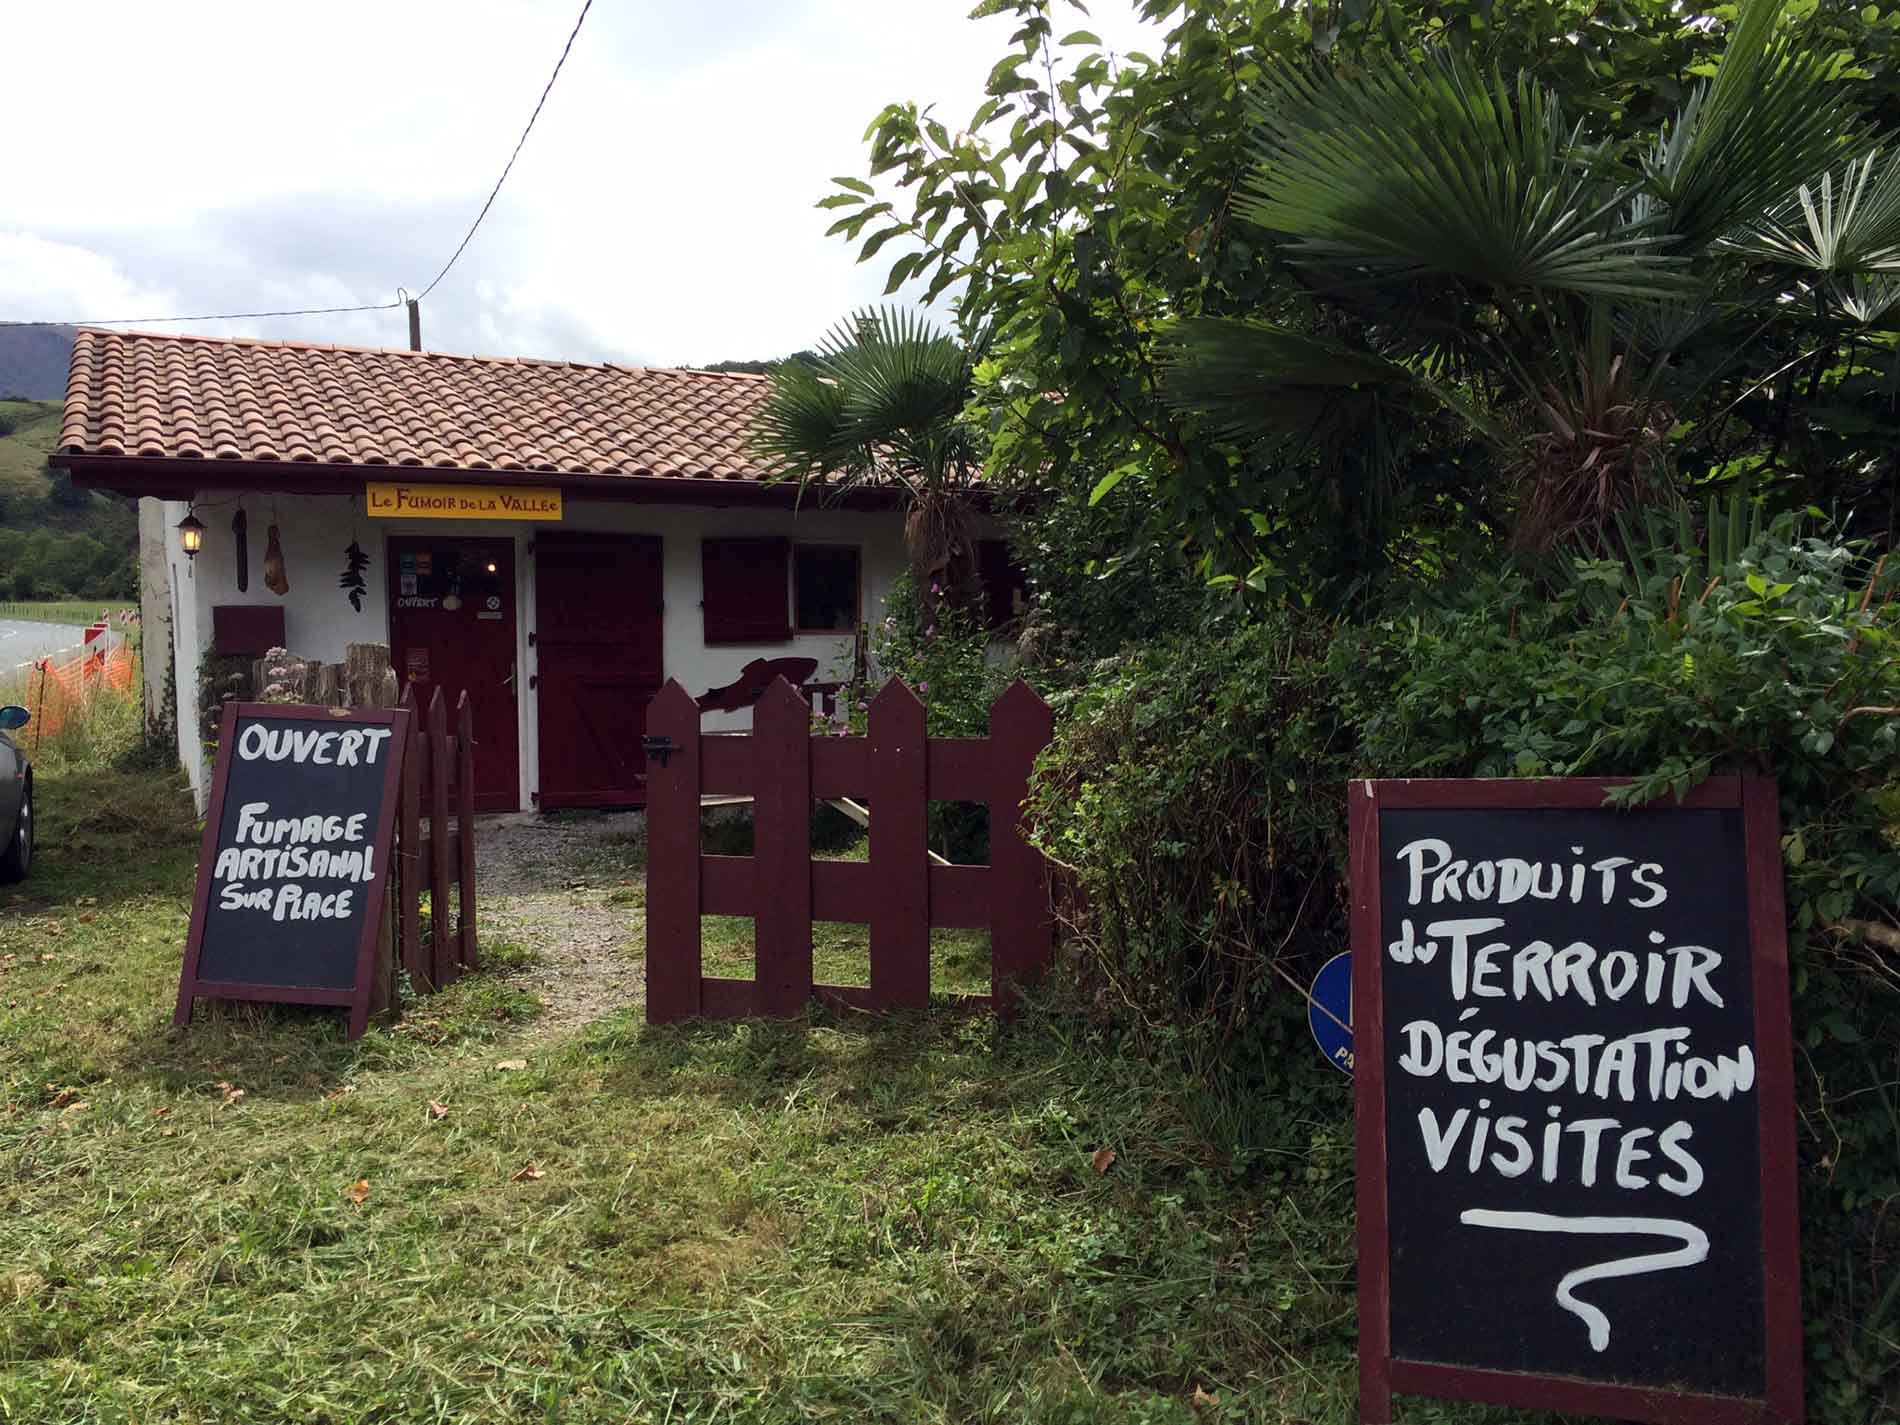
(905, 1219)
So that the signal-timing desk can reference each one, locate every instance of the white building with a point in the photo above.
(558, 540)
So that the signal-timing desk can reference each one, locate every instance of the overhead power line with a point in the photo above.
(211, 317)
(547, 90)
(371, 306)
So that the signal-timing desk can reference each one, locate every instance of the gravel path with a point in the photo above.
(570, 887)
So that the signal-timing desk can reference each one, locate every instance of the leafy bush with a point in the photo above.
(1192, 792)
(1196, 792)
(946, 658)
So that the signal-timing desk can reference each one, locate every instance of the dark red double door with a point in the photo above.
(598, 618)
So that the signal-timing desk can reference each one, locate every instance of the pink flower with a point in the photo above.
(923, 687)
(936, 588)
(930, 631)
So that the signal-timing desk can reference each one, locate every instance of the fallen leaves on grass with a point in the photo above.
(1202, 1400)
(61, 1097)
(232, 1093)
(358, 1193)
(512, 1064)
(1103, 1160)
(438, 1110)
(528, 1174)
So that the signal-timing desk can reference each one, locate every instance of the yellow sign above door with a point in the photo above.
(463, 502)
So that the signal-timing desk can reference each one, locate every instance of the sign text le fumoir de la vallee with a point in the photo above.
(462, 502)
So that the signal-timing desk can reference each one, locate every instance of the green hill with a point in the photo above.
(57, 542)
(33, 362)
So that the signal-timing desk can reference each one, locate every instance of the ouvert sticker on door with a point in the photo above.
(462, 502)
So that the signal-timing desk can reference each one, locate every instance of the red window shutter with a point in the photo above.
(746, 590)
(1002, 579)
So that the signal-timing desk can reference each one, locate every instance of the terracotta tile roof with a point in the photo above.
(201, 398)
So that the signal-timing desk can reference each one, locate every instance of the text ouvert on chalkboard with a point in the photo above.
(295, 860)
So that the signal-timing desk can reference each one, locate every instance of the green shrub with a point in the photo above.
(949, 662)
(944, 657)
(1195, 795)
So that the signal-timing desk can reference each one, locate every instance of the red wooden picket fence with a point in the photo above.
(898, 892)
(435, 831)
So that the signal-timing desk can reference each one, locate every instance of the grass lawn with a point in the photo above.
(834, 1219)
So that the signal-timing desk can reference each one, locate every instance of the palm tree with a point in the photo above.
(882, 406)
(1457, 246)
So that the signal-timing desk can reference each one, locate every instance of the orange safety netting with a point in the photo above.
(58, 693)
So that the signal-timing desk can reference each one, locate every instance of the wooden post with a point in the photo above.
(409, 863)
(781, 854)
(465, 822)
(1022, 929)
(900, 869)
(382, 992)
(1368, 1002)
(673, 931)
(441, 873)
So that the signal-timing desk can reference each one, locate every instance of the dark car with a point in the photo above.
(16, 799)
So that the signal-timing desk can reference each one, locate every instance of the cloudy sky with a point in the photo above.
(231, 155)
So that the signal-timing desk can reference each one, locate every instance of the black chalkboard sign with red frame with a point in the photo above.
(294, 865)
(1575, 1102)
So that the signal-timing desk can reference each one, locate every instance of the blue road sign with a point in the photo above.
(1329, 1011)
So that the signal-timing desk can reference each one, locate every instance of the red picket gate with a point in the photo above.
(898, 892)
(438, 782)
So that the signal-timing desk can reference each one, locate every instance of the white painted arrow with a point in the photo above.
(1694, 1249)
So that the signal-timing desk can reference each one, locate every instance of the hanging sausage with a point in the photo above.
(275, 579)
(240, 538)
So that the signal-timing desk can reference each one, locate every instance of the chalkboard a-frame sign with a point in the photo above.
(1575, 1101)
(295, 859)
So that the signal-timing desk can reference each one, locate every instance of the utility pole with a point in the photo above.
(415, 324)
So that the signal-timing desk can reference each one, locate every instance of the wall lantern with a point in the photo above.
(191, 535)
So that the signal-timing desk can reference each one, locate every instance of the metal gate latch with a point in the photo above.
(658, 748)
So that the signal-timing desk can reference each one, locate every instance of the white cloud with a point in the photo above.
(233, 156)
(42, 273)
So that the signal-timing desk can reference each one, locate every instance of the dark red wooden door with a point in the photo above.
(598, 605)
(452, 623)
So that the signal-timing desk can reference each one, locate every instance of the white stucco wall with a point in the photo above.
(191, 635)
(318, 620)
(155, 601)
